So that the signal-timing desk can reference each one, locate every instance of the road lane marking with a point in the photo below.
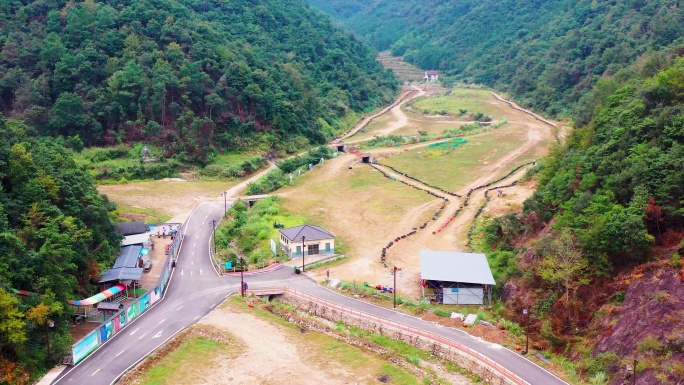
(158, 334)
(94, 372)
(212, 306)
(133, 332)
(200, 271)
(180, 307)
(120, 353)
(195, 245)
(190, 272)
(160, 322)
(195, 318)
(142, 336)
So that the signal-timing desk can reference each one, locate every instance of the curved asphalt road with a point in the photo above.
(195, 289)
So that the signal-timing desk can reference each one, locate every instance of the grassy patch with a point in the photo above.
(455, 169)
(124, 162)
(126, 213)
(248, 231)
(459, 100)
(180, 366)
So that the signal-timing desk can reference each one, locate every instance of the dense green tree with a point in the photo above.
(54, 226)
(104, 70)
(547, 54)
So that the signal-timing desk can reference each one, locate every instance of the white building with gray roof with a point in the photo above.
(456, 278)
(310, 239)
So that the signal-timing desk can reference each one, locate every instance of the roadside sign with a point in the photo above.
(273, 247)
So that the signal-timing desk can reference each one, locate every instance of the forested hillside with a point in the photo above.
(546, 54)
(596, 251)
(55, 232)
(188, 76)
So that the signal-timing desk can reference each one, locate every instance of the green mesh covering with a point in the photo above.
(448, 145)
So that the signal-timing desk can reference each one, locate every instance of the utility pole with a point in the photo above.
(225, 205)
(394, 289)
(302, 253)
(527, 331)
(242, 280)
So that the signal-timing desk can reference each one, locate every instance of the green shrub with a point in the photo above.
(442, 313)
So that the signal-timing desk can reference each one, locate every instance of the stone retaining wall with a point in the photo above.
(401, 333)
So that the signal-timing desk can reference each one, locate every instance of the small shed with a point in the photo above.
(456, 278)
(137, 239)
(341, 147)
(309, 239)
(431, 76)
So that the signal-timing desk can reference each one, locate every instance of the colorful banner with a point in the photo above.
(154, 296)
(106, 331)
(83, 348)
(144, 302)
(116, 322)
(132, 312)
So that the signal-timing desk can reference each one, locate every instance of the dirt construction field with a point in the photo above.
(366, 210)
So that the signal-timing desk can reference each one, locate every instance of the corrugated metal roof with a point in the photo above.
(310, 232)
(130, 228)
(128, 257)
(122, 274)
(136, 239)
(455, 267)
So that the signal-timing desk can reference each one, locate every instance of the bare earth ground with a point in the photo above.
(272, 356)
(264, 352)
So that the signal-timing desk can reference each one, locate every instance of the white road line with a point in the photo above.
(182, 271)
(120, 353)
(200, 271)
(195, 318)
(190, 272)
(212, 306)
(141, 337)
(160, 322)
(180, 307)
(195, 245)
(94, 372)
(133, 332)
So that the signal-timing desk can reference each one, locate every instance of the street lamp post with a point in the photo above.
(632, 370)
(213, 234)
(527, 331)
(394, 289)
(303, 253)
